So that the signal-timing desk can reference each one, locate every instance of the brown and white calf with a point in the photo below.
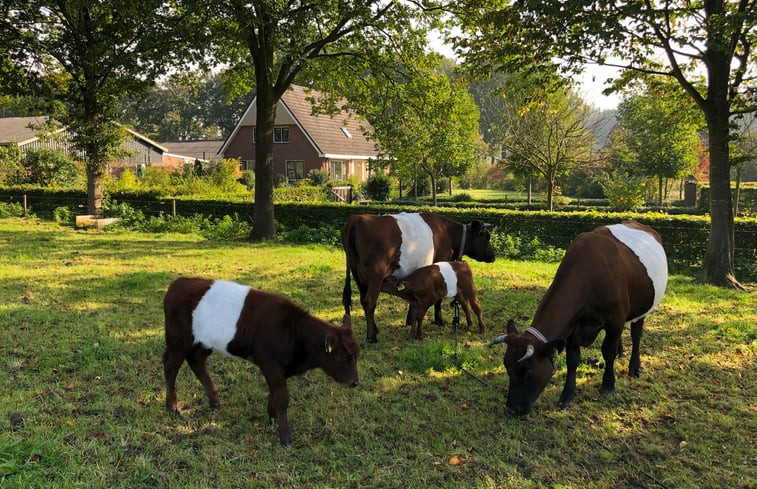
(377, 247)
(281, 338)
(429, 285)
(609, 276)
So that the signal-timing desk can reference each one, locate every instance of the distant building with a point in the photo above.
(140, 151)
(305, 142)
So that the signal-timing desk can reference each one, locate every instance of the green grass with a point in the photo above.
(81, 386)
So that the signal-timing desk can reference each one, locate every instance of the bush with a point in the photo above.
(318, 177)
(624, 193)
(64, 215)
(248, 179)
(50, 168)
(11, 209)
(462, 197)
(378, 187)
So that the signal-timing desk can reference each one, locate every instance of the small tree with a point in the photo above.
(50, 168)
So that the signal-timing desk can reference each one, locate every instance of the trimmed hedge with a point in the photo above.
(685, 237)
(747, 199)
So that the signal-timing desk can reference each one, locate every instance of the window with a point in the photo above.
(295, 169)
(338, 168)
(280, 134)
(247, 165)
(346, 132)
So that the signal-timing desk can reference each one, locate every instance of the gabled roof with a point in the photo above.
(335, 137)
(199, 150)
(19, 129)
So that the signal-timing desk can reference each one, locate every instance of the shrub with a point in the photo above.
(318, 177)
(49, 167)
(248, 179)
(378, 187)
(462, 197)
(64, 215)
(11, 209)
(624, 193)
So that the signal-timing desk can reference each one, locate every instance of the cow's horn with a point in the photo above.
(529, 353)
(497, 340)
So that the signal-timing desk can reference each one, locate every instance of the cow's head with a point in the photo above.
(530, 364)
(477, 245)
(340, 353)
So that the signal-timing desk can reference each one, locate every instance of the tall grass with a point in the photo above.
(81, 387)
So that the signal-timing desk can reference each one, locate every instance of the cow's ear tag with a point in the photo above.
(329, 348)
(401, 286)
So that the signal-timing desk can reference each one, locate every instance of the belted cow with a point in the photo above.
(396, 245)
(281, 338)
(609, 276)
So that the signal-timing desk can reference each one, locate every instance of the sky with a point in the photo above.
(590, 83)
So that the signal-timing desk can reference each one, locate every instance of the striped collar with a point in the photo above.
(462, 243)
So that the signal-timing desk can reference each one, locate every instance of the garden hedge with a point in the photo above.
(685, 237)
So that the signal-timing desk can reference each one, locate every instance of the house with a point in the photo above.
(203, 150)
(139, 151)
(305, 142)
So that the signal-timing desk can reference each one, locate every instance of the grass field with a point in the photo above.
(82, 396)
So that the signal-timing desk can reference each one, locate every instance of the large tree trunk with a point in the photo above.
(718, 262)
(95, 192)
(264, 226)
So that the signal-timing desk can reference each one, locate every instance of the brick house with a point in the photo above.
(305, 142)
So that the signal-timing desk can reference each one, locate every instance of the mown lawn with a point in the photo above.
(81, 387)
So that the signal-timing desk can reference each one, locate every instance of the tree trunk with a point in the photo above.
(264, 221)
(528, 189)
(550, 194)
(95, 192)
(718, 262)
(659, 190)
(737, 191)
(433, 188)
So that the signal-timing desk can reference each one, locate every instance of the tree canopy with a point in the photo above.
(706, 46)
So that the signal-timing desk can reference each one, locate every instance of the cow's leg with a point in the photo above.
(572, 359)
(466, 310)
(634, 365)
(172, 360)
(438, 320)
(368, 297)
(197, 362)
(278, 403)
(477, 309)
(609, 351)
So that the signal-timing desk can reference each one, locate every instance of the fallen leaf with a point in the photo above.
(455, 460)
(683, 444)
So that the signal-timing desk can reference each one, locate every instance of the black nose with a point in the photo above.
(355, 384)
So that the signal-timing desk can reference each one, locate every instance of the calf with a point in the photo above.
(377, 247)
(270, 330)
(610, 276)
(429, 285)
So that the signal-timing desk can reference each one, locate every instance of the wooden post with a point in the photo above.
(173, 207)
(25, 209)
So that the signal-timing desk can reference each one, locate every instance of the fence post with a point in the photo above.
(25, 210)
(173, 207)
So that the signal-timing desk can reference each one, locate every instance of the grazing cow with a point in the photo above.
(428, 285)
(609, 276)
(275, 334)
(377, 247)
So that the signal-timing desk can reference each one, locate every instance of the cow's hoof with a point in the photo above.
(286, 440)
(174, 411)
(372, 340)
(635, 373)
(214, 405)
(607, 390)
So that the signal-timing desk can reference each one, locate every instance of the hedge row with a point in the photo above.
(747, 199)
(685, 237)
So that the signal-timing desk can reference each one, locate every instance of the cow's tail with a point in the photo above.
(348, 242)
